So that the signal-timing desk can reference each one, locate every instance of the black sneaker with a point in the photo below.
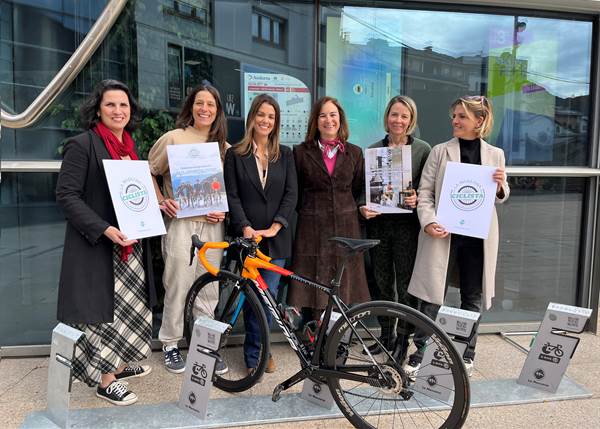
(117, 393)
(132, 370)
(220, 365)
(173, 360)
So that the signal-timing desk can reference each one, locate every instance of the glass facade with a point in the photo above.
(536, 69)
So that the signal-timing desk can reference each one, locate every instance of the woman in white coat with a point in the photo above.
(475, 258)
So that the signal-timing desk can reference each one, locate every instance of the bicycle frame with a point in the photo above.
(257, 260)
(252, 278)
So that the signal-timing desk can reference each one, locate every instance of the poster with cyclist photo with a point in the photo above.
(197, 179)
(388, 179)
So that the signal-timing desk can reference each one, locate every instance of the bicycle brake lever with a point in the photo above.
(192, 254)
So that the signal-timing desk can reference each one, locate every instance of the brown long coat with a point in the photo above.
(327, 207)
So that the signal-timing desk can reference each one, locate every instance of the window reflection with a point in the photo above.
(538, 260)
(31, 240)
(535, 70)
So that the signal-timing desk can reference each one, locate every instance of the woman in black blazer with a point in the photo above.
(262, 189)
(106, 285)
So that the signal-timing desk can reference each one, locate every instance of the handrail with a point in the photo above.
(53, 166)
(69, 71)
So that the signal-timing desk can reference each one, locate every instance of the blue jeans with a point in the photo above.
(252, 341)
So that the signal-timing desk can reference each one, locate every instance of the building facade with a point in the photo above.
(536, 60)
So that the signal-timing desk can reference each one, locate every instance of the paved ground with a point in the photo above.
(23, 388)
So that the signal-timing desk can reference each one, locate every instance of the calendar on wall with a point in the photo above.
(292, 95)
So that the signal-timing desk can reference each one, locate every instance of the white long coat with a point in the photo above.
(431, 267)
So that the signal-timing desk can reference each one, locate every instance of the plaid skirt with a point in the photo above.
(104, 347)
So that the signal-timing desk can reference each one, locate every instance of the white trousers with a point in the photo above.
(179, 276)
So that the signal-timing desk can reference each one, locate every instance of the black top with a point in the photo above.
(470, 151)
(251, 205)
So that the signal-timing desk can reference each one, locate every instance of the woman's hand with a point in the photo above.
(499, 177)
(367, 213)
(118, 237)
(215, 217)
(436, 230)
(271, 232)
(248, 232)
(169, 206)
(411, 201)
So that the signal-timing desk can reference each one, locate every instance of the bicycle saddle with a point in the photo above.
(355, 244)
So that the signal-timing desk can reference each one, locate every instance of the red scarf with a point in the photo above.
(117, 150)
(331, 144)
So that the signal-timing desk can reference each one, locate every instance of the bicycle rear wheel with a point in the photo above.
(437, 398)
(234, 303)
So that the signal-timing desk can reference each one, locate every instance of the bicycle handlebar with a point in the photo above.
(243, 243)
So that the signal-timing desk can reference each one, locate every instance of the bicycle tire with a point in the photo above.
(238, 378)
(358, 403)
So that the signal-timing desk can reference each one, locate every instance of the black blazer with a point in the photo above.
(250, 205)
(86, 288)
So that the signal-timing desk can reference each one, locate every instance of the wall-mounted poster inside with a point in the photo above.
(292, 95)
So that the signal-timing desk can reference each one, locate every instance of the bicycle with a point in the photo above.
(370, 390)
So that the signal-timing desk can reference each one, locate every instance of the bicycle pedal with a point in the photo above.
(406, 394)
(277, 393)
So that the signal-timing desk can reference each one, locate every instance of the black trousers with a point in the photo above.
(468, 256)
(393, 261)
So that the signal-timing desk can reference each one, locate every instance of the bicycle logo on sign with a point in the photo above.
(549, 348)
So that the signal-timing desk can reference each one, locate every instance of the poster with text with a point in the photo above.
(197, 178)
(293, 98)
(133, 198)
(467, 199)
(388, 178)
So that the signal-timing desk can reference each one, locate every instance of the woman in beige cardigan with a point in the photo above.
(475, 258)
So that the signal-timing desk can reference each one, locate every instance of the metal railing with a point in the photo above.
(69, 71)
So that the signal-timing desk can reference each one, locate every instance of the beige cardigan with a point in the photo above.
(431, 267)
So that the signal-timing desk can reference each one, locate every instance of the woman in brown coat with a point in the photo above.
(330, 189)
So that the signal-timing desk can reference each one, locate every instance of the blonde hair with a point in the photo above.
(244, 147)
(407, 102)
(477, 106)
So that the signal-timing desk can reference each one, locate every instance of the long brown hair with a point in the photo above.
(218, 129)
(244, 147)
(313, 134)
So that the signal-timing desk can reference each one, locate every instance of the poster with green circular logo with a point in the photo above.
(467, 199)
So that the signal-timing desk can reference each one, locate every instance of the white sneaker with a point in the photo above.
(411, 369)
(469, 367)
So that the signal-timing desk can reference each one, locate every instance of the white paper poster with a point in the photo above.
(467, 199)
(133, 198)
(388, 178)
(197, 178)
(292, 95)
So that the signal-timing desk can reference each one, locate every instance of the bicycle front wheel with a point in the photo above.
(373, 389)
(221, 299)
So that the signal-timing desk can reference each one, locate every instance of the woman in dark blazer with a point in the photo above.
(331, 188)
(106, 284)
(262, 191)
